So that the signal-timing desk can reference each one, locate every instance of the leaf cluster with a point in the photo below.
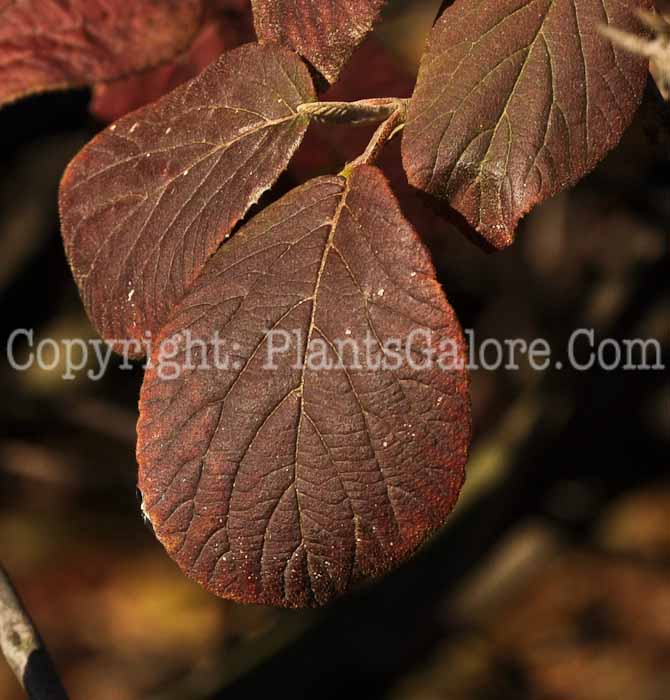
(289, 486)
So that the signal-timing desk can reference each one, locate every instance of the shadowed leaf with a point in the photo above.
(51, 44)
(150, 199)
(516, 100)
(325, 32)
(228, 24)
(280, 481)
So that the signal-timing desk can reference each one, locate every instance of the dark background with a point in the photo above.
(552, 578)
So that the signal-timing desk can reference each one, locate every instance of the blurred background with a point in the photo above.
(551, 580)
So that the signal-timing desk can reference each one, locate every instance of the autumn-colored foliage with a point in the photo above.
(369, 461)
(50, 44)
(168, 183)
(289, 486)
(325, 32)
(516, 101)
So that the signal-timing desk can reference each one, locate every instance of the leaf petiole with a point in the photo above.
(386, 131)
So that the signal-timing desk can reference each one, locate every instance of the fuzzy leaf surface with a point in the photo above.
(325, 32)
(52, 44)
(286, 477)
(516, 100)
(149, 200)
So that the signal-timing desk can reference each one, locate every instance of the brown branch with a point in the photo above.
(21, 644)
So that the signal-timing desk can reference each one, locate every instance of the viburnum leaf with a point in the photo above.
(227, 24)
(305, 458)
(51, 44)
(325, 32)
(516, 100)
(149, 200)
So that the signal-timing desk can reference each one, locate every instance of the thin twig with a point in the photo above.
(391, 111)
(386, 131)
(23, 648)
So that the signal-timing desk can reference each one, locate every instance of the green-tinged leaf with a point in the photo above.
(516, 100)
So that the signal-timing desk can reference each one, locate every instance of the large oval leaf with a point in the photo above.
(149, 200)
(517, 99)
(47, 44)
(325, 32)
(286, 477)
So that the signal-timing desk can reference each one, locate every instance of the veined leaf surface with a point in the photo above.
(325, 32)
(285, 477)
(516, 100)
(149, 200)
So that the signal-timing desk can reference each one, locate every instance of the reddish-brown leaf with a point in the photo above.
(150, 199)
(325, 32)
(280, 481)
(517, 99)
(51, 44)
(227, 25)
